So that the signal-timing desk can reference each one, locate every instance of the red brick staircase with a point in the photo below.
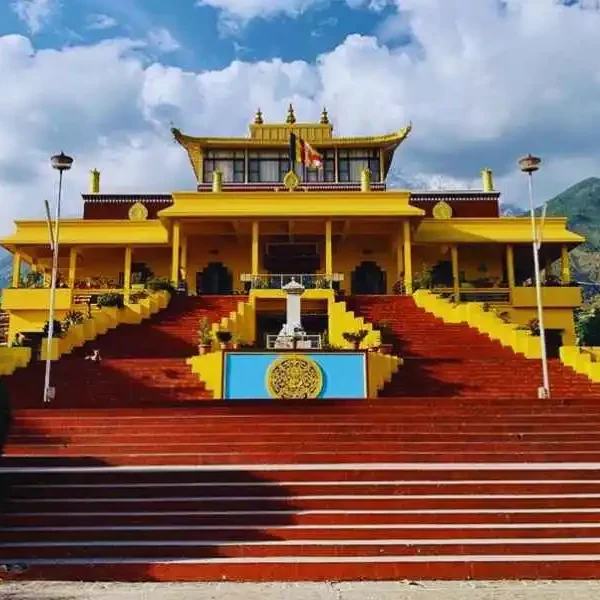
(126, 478)
(142, 365)
(456, 360)
(382, 489)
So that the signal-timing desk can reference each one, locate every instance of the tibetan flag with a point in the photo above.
(309, 156)
(302, 152)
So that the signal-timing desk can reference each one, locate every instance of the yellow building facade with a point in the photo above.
(249, 225)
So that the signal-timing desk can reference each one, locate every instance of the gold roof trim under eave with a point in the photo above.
(109, 232)
(290, 204)
(493, 230)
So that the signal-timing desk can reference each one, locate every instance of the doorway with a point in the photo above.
(368, 278)
(214, 280)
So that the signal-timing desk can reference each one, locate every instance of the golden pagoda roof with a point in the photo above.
(277, 135)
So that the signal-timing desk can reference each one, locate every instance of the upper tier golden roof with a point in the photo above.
(277, 135)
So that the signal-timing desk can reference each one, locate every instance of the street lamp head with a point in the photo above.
(61, 162)
(529, 164)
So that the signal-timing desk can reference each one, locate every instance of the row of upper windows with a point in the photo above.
(272, 166)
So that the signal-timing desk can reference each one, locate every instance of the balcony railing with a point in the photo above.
(492, 295)
(277, 281)
(306, 342)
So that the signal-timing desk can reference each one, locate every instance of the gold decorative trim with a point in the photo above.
(294, 377)
(291, 180)
(138, 212)
(442, 210)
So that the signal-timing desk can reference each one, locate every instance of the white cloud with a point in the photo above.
(35, 13)
(237, 12)
(101, 22)
(245, 10)
(482, 87)
(163, 40)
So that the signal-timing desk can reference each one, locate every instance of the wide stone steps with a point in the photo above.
(456, 360)
(142, 365)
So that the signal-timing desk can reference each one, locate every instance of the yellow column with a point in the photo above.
(184, 256)
(16, 270)
(408, 285)
(399, 256)
(175, 256)
(72, 267)
(565, 265)
(255, 246)
(127, 272)
(455, 273)
(328, 249)
(510, 266)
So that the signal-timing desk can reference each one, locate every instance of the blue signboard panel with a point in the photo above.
(341, 374)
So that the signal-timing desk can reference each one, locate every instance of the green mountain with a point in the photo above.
(581, 205)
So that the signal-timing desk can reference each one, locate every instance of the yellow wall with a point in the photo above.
(234, 253)
(349, 253)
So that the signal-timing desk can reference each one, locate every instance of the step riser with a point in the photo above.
(457, 569)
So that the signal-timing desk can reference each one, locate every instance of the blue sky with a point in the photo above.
(205, 41)
(482, 81)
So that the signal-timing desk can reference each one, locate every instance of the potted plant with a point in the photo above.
(204, 336)
(224, 338)
(355, 337)
(387, 337)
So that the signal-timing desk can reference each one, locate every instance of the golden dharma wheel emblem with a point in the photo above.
(291, 180)
(138, 212)
(294, 377)
(442, 210)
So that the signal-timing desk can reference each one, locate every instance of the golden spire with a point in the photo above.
(258, 119)
(324, 117)
(291, 117)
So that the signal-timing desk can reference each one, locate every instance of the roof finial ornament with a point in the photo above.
(324, 117)
(258, 119)
(291, 117)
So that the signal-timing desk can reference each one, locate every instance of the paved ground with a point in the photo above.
(545, 590)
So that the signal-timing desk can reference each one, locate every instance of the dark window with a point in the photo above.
(231, 164)
(267, 166)
(352, 162)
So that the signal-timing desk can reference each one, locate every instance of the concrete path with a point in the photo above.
(425, 590)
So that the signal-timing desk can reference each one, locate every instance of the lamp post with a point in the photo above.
(529, 165)
(61, 162)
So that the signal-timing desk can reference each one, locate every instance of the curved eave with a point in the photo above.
(290, 205)
(387, 141)
(494, 230)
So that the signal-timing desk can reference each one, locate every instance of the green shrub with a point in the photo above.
(111, 300)
(58, 329)
(157, 284)
(587, 327)
(74, 317)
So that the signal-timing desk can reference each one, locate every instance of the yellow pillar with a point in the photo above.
(408, 284)
(399, 256)
(184, 256)
(175, 254)
(510, 265)
(72, 267)
(328, 249)
(255, 246)
(565, 265)
(127, 272)
(455, 273)
(16, 270)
